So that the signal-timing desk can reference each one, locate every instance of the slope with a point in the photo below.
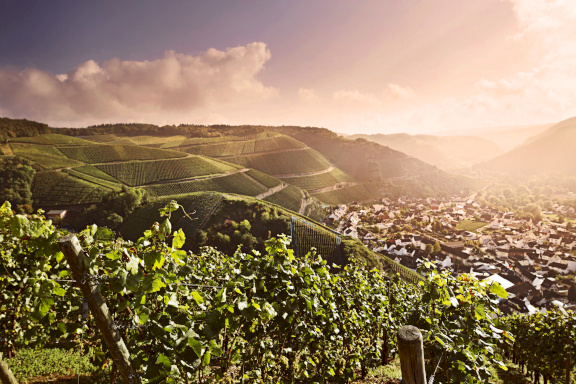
(446, 152)
(552, 152)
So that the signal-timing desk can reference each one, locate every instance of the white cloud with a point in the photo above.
(399, 92)
(176, 83)
(307, 95)
(355, 96)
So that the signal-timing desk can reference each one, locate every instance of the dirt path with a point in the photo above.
(304, 204)
(335, 186)
(287, 175)
(271, 191)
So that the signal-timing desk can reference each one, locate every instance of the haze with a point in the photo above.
(382, 66)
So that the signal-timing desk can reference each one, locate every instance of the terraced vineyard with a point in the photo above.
(289, 197)
(100, 138)
(92, 179)
(146, 172)
(109, 153)
(51, 139)
(236, 148)
(323, 180)
(5, 150)
(284, 163)
(235, 183)
(361, 192)
(45, 156)
(95, 172)
(263, 178)
(60, 188)
(198, 206)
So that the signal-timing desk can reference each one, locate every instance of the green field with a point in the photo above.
(244, 147)
(284, 163)
(60, 188)
(361, 192)
(263, 178)
(146, 172)
(96, 180)
(323, 180)
(110, 153)
(289, 197)
(100, 138)
(45, 156)
(235, 183)
(470, 225)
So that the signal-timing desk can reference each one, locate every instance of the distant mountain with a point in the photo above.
(448, 152)
(550, 151)
(506, 137)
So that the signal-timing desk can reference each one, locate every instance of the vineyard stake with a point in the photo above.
(568, 357)
(6, 375)
(411, 351)
(78, 263)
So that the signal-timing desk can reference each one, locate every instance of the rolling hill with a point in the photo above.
(551, 151)
(449, 152)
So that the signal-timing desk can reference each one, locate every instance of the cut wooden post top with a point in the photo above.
(410, 334)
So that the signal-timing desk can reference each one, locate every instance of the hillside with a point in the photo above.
(553, 151)
(446, 152)
(505, 137)
(227, 221)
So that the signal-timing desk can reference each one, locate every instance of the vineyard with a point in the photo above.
(198, 205)
(323, 180)
(284, 163)
(306, 236)
(362, 192)
(91, 170)
(263, 178)
(45, 156)
(234, 183)
(146, 172)
(289, 197)
(96, 180)
(208, 317)
(108, 153)
(51, 139)
(60, 188)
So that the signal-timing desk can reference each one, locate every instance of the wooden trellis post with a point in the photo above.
(411, 351)
(6, 376)
(79, 263)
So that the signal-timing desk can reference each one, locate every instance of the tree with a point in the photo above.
(429, 249)
(437, 249)
(16, 176)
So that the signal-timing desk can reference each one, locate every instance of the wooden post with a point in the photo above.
(6, 376)
(79, 263)
(568, 356)
(411, 350)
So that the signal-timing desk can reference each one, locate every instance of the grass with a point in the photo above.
(54, 365)
(111, 153)
(146, 172)
(323, 180)
(554, 218)
(45, 156)
(470, 225)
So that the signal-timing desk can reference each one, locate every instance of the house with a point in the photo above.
(555, 239)
(56, 214)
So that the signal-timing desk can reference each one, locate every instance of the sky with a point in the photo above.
(353, 66)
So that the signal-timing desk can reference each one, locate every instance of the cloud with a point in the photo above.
(355, 96)
(307, 95)
(399, 92)
(176, 83)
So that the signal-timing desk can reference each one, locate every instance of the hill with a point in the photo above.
(553, 151)
(228, 221)
(506, 137)
(448, 152)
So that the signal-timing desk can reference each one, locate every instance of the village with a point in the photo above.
(534, 261)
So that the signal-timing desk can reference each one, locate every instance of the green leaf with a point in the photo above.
(196, 346)
(132, 266)
(164, 360)
(179, 239)
(479, 312)
(58, 290)
(197, 297)
(206, 359)
(498, 290)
